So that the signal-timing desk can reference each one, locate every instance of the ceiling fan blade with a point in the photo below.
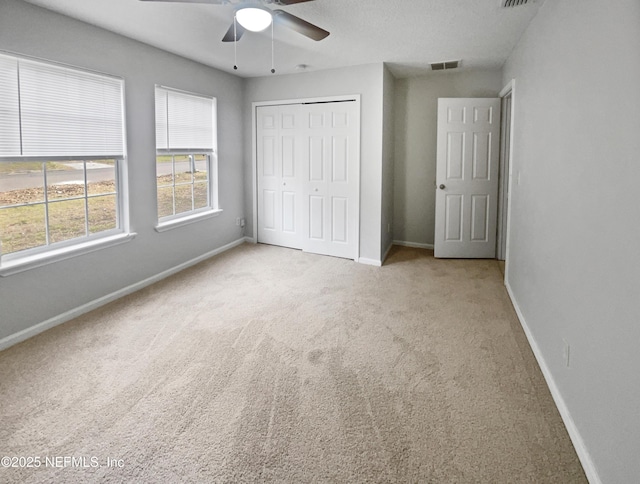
(301, 26)
(290, 2)
(230, 36)
(212, 2)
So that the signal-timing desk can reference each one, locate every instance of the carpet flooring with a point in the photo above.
(265, 364)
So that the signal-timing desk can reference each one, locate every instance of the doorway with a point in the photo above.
(504, 183)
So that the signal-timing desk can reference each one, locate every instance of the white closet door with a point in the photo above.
(308, 168)
(279, 149)
(331, 170)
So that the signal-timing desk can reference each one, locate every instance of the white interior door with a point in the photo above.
(279, 176)
(467, 177)
(308, 168)
(331, 171)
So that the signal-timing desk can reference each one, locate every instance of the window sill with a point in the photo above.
(186, 220)
(56, 255)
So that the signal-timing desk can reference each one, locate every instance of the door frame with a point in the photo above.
(507, 183)
(254, 153)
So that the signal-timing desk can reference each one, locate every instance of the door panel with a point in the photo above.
(467, 177)
(316, 159)
(268, 120)
(479, 221)
(316, 120)
(269, 203)
(288, 157)
(340, 159)
(456, 114)
(339, 220)
(455, 155)
(481, 156)
(269, 156)
(453, 218)
(289, 212)
(316, 218)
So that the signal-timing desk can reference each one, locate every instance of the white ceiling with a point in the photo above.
(406, 34)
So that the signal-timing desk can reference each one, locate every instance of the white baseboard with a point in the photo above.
(250, 240)
(370, 262)
(581, 449)
(20, 336)
(415, 245)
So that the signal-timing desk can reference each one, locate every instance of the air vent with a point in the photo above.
(515, 3)
(443, 66)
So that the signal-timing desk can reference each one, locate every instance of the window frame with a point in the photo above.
(195, 214)
(51, 252)
(212, 198)
(16, 262)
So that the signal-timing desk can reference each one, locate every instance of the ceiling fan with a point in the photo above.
(254, 15)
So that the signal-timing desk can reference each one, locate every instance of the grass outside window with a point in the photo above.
(47, 203)
(183, 184)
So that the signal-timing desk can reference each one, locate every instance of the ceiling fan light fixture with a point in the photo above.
(253, 18)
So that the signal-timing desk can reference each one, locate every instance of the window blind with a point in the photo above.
(9, 107)
(62, 111)
(184, 121)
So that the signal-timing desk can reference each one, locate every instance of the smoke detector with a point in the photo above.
(444, 66)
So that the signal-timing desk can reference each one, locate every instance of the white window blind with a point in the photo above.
(162, 134)
(9, 107)
(62, 111)
(184, 121)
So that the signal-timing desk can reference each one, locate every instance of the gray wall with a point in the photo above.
(388, 145)
(416, 106)
(574, 263)
(36, 295)
(366, 80)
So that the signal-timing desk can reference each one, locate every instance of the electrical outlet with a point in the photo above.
(566, 353)
(238, 221)
(242, 222)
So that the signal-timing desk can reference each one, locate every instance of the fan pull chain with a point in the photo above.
(273, 69)
(235, 45)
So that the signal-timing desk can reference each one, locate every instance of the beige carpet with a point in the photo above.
(266, 364)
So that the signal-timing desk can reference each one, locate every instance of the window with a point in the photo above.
(61, 151)
(186, 163)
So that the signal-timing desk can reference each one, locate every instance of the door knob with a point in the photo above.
(442, 187)
(316, 190)
(284, 183)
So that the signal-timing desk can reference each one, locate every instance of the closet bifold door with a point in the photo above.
(331, 170)
(280, 216)
(307, 176)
